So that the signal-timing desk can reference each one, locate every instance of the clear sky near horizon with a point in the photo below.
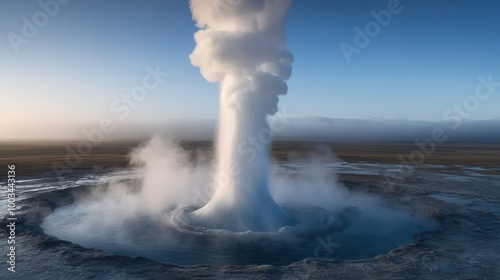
(90, 53)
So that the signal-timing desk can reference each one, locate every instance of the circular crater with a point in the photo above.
(347, 233)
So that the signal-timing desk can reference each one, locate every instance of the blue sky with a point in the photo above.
(91, 52)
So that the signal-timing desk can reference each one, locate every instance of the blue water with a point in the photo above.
(346, 234)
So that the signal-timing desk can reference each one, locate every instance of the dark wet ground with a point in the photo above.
(464, 200)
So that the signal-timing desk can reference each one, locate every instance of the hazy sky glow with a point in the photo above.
(90, 53)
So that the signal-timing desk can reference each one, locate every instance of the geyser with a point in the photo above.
(241, 45)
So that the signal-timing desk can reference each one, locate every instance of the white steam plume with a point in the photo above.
(242, 46)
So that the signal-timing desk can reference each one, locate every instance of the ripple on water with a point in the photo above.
(349, 233)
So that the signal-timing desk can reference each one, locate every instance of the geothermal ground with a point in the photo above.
(457, 187)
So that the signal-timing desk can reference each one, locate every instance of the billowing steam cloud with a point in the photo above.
(241, 45)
